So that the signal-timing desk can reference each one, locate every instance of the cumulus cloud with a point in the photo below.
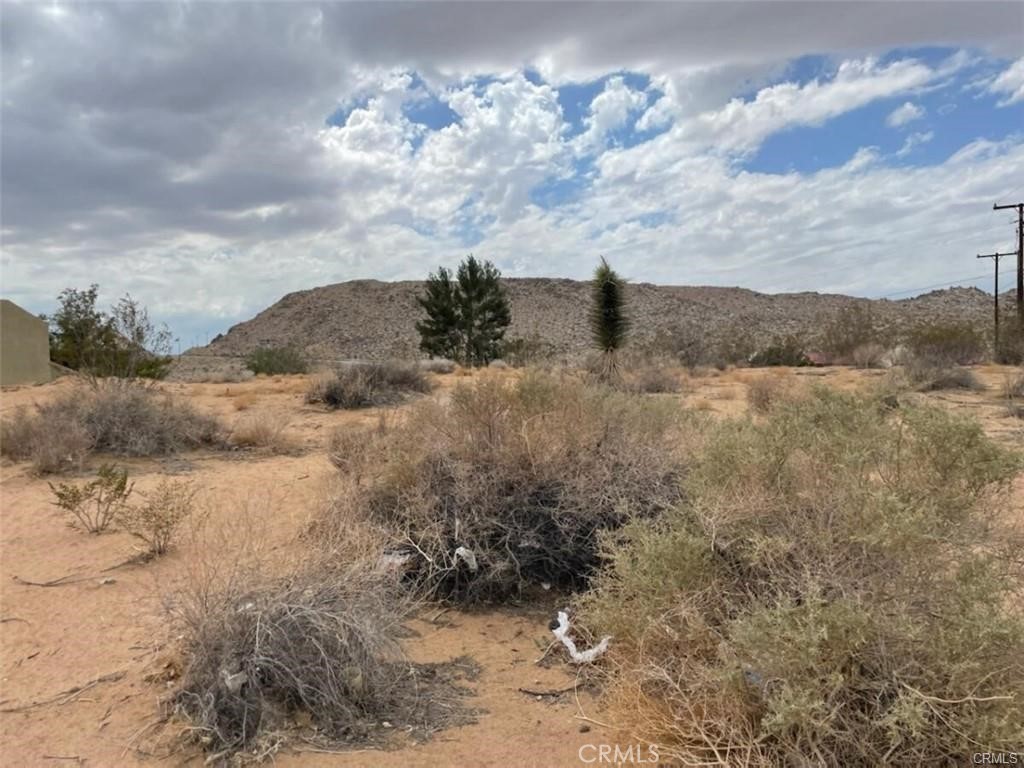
(610, 110)
(181, 151)
(903, 114)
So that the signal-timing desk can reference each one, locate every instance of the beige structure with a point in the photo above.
(24, 347)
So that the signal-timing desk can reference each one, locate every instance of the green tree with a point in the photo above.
(609, 321)
(466, 317)
(124, 343)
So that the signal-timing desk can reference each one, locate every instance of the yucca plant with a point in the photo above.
(609, 323)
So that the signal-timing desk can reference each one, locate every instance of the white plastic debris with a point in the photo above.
(466, 556)
(561, 633)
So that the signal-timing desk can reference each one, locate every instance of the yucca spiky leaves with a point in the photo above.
(609, 324)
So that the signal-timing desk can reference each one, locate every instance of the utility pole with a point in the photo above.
(996, 257)
(1020, 257)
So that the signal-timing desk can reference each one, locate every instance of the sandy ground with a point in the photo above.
(81, 662)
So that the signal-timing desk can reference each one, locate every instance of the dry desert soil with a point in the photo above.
(85, 662)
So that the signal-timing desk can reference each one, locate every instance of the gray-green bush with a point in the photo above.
(841, 587)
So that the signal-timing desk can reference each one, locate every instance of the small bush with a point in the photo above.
(368, 384)
(51, 445)
(930, 374)
(263, 429)
(841, 582)
(735, 347)
(850, 329)
(320, 643)
(1010, 350)
(99, 502)
(157, 520)
(653, 379)
(946, 344)
(115, 417)
(788, 351)
(763, 393)
(871, 355)
(276, 361)
(531, 350)
(508, 484)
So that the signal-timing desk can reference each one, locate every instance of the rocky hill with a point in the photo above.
(368, 319)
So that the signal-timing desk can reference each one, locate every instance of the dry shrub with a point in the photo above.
(947, 344)
(115, 417)
(653, 379)
(509, 482)
(367, 384)
(437, 365)
(930, 374)
(869, 355)
(266, 646)
(157, 520)
(841, 587)
(96, 504)
(268, 650)
(764, 392)
(51, 444)
(263, 429)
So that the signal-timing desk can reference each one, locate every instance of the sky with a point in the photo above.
(210, 157)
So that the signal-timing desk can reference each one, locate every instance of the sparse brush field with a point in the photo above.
(796, 566)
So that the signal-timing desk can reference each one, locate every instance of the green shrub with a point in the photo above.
(368, 384)
(1010, 350)
(949, 343)
(735, 347)
(507, 484)
(841, 586)
(96, 504)
(788, 351)
(275, 361)
(522, 351)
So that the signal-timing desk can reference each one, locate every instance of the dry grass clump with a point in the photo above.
(96, 504)
(157, 520)
(764, 392)
(261, 652)
(841, 587)
(509, 483)
(267, 648)
(654, 379)
(262, 429)
(367, 384)
(116, 417)
(245, 401)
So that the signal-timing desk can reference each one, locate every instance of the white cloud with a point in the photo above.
(742, 125)
(906, 113)
(193, 166)
(611, 109)
(913, 141)
(1010, 83)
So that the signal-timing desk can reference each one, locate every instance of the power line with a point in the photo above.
(954, 281)
(1020, 257)
(995, 288)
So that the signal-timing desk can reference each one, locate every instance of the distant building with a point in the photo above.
(24, 347)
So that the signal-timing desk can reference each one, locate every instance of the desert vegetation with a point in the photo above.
(466, 316)
(114, 417)
(508, 485)
(792, 609)
(275, 361)
(367, 384)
